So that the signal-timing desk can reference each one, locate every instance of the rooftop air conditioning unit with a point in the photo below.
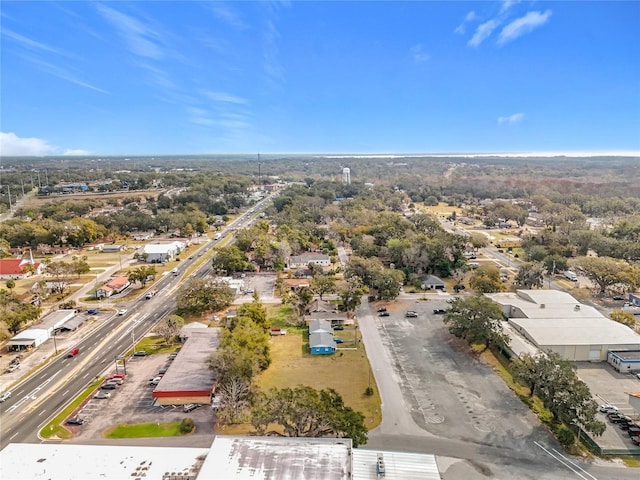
(577, 307)
(542, 305)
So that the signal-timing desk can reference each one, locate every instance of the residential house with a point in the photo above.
(17, 268)
(161, 252)
(334, 318)
(321, 306)
(141, 236)
(320, 326)
(321, 343)
(113, 286)
(431, 282)
(308, 258)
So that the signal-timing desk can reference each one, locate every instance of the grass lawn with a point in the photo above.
(347, 372)
(140, 430)
(153, 344)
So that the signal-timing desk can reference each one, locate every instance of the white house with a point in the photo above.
(162, 252)
(306, 259)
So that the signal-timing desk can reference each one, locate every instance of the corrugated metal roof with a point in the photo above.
(398, 465)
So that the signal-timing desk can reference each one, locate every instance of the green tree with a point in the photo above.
(230, 259)
(254, 312)
(530, 275)
(555, 263)
(351, 296)
(199, 295)
(61, 272)
(625, 318)
(305, 412)
(478, 320)
(79, 265)
(169, 327)
(322, 284)
(486, 280)
(604, 272)
(11, 284)
(301, 298)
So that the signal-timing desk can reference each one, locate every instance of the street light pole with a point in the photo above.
(55, 344)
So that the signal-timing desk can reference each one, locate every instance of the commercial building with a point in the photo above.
(307, 259)
(113, 286)
(189, 378)
(555, 321)
(38, 334)
(624, 361)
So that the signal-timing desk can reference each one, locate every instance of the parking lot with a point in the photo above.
(451, 393)
(132, 402)
(610, 387)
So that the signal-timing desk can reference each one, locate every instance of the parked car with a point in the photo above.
(613, 418)
(101, 395)
(122, 311)
(5, 396)
(411, 314)
(635, 440)
(121, 376)
(606, 408)
(108, 386)
(139, 353)
(338, 327)
(338, 340)
(439, 311)
(173, 355)
(162, 371)
(75, 421)
(633, 430)
(93, 311)
(117, 381)
(189, 407)
(382, 309)
(154, 381)
(618, 297)
(383, 314)
(13, 367)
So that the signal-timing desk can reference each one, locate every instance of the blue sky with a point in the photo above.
(128, 78)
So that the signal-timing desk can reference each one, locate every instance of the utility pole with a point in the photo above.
(259, 173)
(9, 190)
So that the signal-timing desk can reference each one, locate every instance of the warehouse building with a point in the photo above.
(554, 320)
(38, 334)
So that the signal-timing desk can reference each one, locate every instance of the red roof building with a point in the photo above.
(17, 268)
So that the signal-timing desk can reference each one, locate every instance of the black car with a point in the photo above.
(382, 309)
(338, 327)
(439, 311)
(383, 314)
(140, 353)
(633, 431)
(618, 419)
(109, 386)
(75, 421)
(618, 297)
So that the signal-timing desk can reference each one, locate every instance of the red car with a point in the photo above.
(73, 352)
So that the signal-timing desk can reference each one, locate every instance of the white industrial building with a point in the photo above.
(38, 334)
(162, 252)
(554, 320)
(228, 458)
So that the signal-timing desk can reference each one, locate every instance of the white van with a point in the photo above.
(217, 236)
(569, 275)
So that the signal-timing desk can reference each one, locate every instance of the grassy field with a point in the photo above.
(142, 430)
(153, 344)
(347, 372)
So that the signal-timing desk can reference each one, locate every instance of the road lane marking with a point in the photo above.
(574, 464)
(564, 463)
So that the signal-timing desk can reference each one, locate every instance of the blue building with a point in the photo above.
(322, 343)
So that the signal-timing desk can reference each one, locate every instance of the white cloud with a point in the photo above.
(511, 119)
(224, 97)
(11, 144)
(63, 73)
(507, 4)
(140, 38)
(31, 44)
(522, 25)
(228, 15)
(419, 56)
(482, 32)
(469, 17)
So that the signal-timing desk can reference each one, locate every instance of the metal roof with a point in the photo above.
(398, 465)
(321, 339)
(276, 458)
(74, 323)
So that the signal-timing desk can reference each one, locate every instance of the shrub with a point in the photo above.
(186, 426)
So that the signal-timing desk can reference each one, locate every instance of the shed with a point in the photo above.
(321, 343)
(431, 282)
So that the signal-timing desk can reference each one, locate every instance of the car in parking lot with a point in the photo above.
(616, 418)
(75, 421)
(382, 309)
(93, 311)
(102, 395)
(338, 327)
(439, 311)
(173, 355)
(108, 386)
(121, 376)
(338, 340)
(190, 407)
(383, 314)
(13, 367)
(162, 371)
(606, 408)
(154, 381)
(116, 381)
(139, 353)
(411, 314)
(635, 440)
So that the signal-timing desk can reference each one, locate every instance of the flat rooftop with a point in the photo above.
(190, 370)
(275, 458)
(627, 354)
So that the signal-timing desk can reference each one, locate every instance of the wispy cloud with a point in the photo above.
(523, 25)
(483, 31)
(511, 119)
(224, 97)
(140, 38)
(462, 28)
(228, 15)
(62, 73)
(507, 4)
(272, 65)
(418, 54)
(32, 44)
(13, 145)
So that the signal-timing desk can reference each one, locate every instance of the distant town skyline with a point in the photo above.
(516, 78)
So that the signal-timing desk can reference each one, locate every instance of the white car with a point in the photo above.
(606, 408)
(122, 311)
(5, 396)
